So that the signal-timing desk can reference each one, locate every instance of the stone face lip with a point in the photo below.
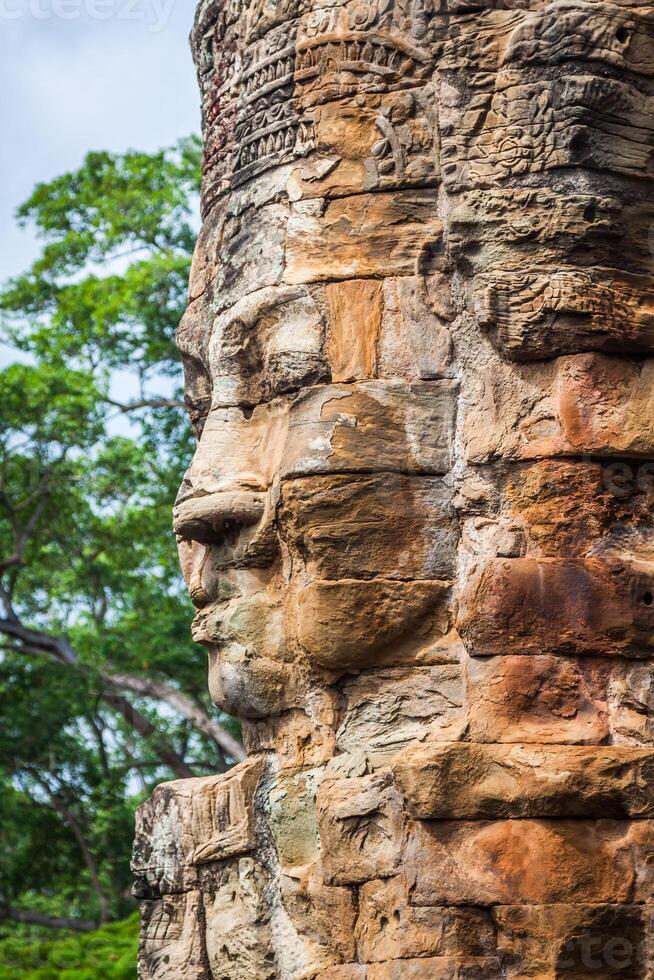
(465, 781)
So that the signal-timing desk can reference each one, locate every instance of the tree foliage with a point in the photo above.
(102, 692)
(107, 954)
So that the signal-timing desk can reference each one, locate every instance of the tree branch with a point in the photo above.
(59, 648)
(56, 647)
(69, 817)
(187, 708)
(145, 403)
(146, 729)
(28, 917)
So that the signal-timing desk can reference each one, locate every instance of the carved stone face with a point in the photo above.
(317, 523)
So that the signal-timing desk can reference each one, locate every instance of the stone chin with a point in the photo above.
(250, 686)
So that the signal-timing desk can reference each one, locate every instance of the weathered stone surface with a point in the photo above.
(363, 527)
(323, 915)
(395, 617)
(360, 825)
(193, 822)
(415, 340)
(372, 427)
(291, 807)
(361, 236)
(541, 606)
(569, 507)
(527, 228)
(356, 308)
(539, 699)
(390, 928)
(529, 862)
(575, 114)
(172, 938)
(386, 710)
(417, 526)
(237, 926)
(549, 312)
(582, 941)
(435, 968)
(269, 343)
(376, 143)
(556, 699)
(585, 404)
(296, 737)
(464, 781)
(221, 930)
(353, 971)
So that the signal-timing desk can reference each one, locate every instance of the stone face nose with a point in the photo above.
(209, 518)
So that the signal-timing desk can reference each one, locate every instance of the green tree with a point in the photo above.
(103, 694)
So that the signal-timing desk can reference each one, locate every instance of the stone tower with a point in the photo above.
(417, 528)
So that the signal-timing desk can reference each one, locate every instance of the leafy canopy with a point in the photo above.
(94, 642)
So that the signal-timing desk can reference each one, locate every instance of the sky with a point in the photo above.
(77, 75)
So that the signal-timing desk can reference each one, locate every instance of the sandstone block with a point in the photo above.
(386, 710)
(371, 427)
(360, 823)
(533, 126)
(367, 235)
(193, 822)
(530, 862)
(231, 458)
(252, 254)
(267, 344)
(584, 404)
(415, 341)
(575, 941)
(387, 525)
(375, 143)
(355, 316)
(323, 916)
(547, 312)
(436, 968)
(368, 427)
(520, 229)
(350, 623)
(237, 926)
(296, 739)
(541, 699)
(291, 805)
(603, 33)
(568, 507)
(556, 699)
(566, 606)
(631, 697)
(172, 939)
(390, 928)
(335, 61)
(351, 971)
(467, 781)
